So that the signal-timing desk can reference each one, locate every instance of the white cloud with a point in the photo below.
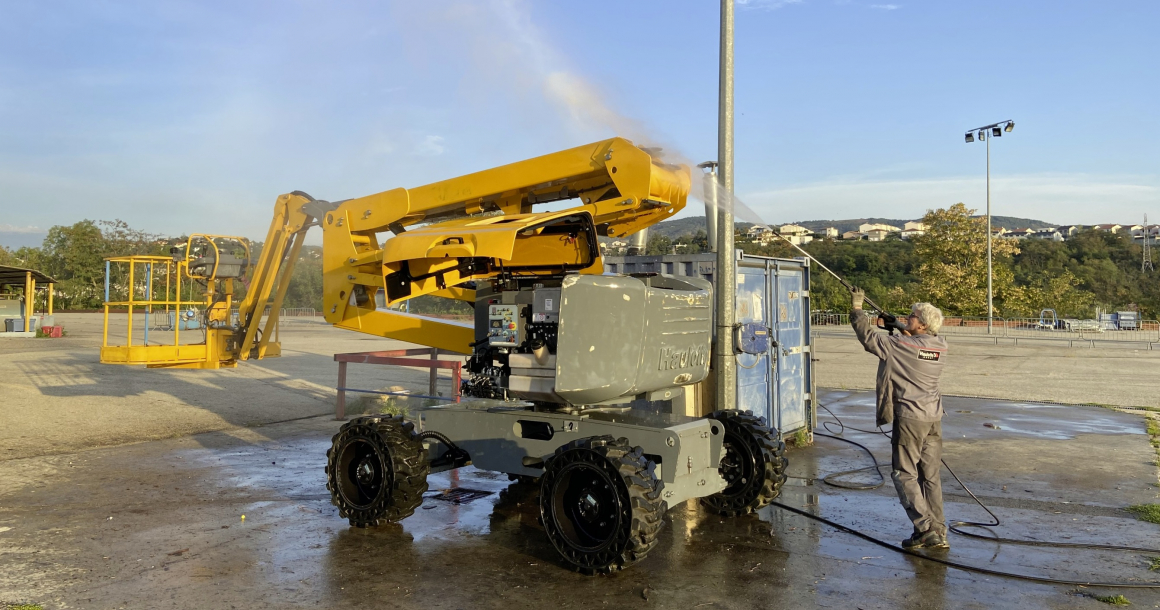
(7, 228)
(886, 7)
(430, 146)
(1058, 198)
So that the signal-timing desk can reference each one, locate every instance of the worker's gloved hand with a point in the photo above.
(857, 295)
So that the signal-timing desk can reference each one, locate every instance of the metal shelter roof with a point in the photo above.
(16, 276)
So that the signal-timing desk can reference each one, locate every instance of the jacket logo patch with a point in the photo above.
(930, 355)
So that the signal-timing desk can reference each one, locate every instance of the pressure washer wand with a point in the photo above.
(848, 285)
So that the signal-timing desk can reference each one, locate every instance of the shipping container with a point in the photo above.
(773, 292)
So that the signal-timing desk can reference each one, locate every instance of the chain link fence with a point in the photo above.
(1016, 329)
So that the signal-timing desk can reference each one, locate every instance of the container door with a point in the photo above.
(753, 372)
(788, 325)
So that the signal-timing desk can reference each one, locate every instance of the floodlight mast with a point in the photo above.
(996, 132)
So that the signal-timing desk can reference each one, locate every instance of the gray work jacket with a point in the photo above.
(913, 364)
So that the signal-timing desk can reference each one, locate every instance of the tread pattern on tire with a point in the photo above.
(408, 462)
(644, 511)
(767, 445)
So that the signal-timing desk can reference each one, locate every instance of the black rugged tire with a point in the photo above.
(404, 465)
(639, 508)
(749, 440)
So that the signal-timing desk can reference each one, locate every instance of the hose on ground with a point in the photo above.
(956, 525)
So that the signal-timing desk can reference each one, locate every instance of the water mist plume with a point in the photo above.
(507, 48)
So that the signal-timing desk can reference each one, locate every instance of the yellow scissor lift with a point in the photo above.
(194, 290)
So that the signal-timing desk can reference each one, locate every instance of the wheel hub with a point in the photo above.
(365, 472)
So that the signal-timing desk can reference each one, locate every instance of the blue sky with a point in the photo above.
(194, 116)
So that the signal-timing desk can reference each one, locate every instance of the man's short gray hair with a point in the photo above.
(929, 316)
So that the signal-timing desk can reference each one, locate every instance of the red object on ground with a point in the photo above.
(52, 331)
(399, 357)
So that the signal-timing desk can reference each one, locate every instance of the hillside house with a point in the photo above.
(796, 234)
(913, 228)
(831, 232)
(1112, 228)
(867, 227)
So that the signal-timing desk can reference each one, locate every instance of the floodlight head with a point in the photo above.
(996, 132)
(970, 137)
(982, 134)
(1009, 127)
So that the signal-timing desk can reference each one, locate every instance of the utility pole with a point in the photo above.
(726, 272)
(1147, 264)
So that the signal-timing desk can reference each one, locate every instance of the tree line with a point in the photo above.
(74, 256)
(945, 266)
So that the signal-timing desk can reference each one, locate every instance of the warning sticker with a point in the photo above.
(930, 355)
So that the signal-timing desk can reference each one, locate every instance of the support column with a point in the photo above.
(50, 298)
(340, 400)
(29, 299)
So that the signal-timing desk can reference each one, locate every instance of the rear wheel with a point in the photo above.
(601, 504)
(753, 465)
(376, 470)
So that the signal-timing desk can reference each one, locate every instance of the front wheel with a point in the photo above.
(601, 504)
(753, 465)
(376, 470)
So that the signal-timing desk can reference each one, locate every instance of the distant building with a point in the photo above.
(877, 234)
(756, 231)
(913, 228)
(1048, 234)
(1069, 230)
(853, 235)
(831, 231)
(867, 227)
(792, 230)
(1112, 228)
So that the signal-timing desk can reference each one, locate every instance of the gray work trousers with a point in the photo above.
(916, 459)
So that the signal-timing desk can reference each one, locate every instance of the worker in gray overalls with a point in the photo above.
(908, 375)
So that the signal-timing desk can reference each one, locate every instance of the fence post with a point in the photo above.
(456, 380)
(433, 386)
(340, 402)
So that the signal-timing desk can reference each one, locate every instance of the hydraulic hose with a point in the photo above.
(956, 525)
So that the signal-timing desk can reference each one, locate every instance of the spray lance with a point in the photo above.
(890, 321)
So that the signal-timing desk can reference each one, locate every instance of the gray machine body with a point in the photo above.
(620, 338)
(589, 355)
(518, 438)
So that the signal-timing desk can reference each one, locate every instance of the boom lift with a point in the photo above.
(573, 374)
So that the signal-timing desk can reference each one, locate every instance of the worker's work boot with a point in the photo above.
(926, 540)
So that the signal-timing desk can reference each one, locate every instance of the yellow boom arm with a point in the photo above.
(474, 227)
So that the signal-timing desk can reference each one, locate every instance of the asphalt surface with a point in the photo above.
(159, 525)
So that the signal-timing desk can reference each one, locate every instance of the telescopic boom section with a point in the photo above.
(481, 226)
(484, 226)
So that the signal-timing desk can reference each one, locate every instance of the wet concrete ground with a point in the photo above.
(158, 525)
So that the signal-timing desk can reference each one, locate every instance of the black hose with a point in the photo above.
(956, 525)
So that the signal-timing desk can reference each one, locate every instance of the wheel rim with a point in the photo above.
(738, 467)
(362, 473)
(586, 506)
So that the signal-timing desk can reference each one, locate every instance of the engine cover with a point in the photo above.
(622, 336)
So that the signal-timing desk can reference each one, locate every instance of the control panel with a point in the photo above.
(504, 326)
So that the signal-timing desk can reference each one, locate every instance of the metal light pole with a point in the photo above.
(995, 131)
(726, 272)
